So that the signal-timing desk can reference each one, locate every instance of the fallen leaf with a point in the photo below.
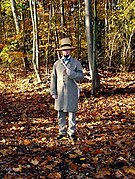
(79, 152)
(72, 155)
(103, 173)
(118, 174)
(85, 165)
(26, 142)
(98, 151)
(90, 142)
(55, 175)
(18, 169)
(129, 169)
(51, 145)
(34, 161)
(82, 159)
(74, 167)
(50, 167)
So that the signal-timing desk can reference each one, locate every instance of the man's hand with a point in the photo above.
(54, 96)
(68, 71)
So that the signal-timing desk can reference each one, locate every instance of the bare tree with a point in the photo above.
(0, 24)
(90, 47)
(24, 17)
(62, 16)
(79, 25)
(14, 11)
(35, 60)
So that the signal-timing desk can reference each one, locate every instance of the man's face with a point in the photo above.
(66, 52)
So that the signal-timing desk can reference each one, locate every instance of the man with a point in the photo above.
(64, 89)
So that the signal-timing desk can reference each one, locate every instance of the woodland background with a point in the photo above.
(30, 32)
(115, 25)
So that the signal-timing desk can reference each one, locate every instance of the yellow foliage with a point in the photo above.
(17, 54)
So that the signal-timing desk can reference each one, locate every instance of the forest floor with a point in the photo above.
(28, 128)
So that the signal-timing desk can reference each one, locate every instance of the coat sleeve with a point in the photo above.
(53, 85)
(77, 74)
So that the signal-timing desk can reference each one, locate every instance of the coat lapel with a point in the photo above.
(69, 65)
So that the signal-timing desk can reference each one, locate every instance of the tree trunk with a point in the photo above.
(1, 41)
(25, 59)
(96, 80)
(89, 32)
(36, 34)
(14, 11)
(91, 49)
(62, 18)
(35, 59)
(106, 31)
(78, 33)
(48, 54)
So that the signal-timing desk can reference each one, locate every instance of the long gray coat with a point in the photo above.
(64, 86)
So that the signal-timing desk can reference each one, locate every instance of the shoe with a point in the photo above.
(72, 137)
(60, 136)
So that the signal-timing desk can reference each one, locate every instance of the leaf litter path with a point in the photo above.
(105, 130)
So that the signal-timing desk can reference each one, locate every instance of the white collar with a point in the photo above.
(67, 57)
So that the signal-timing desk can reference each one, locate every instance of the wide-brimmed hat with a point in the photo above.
(65, 45)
